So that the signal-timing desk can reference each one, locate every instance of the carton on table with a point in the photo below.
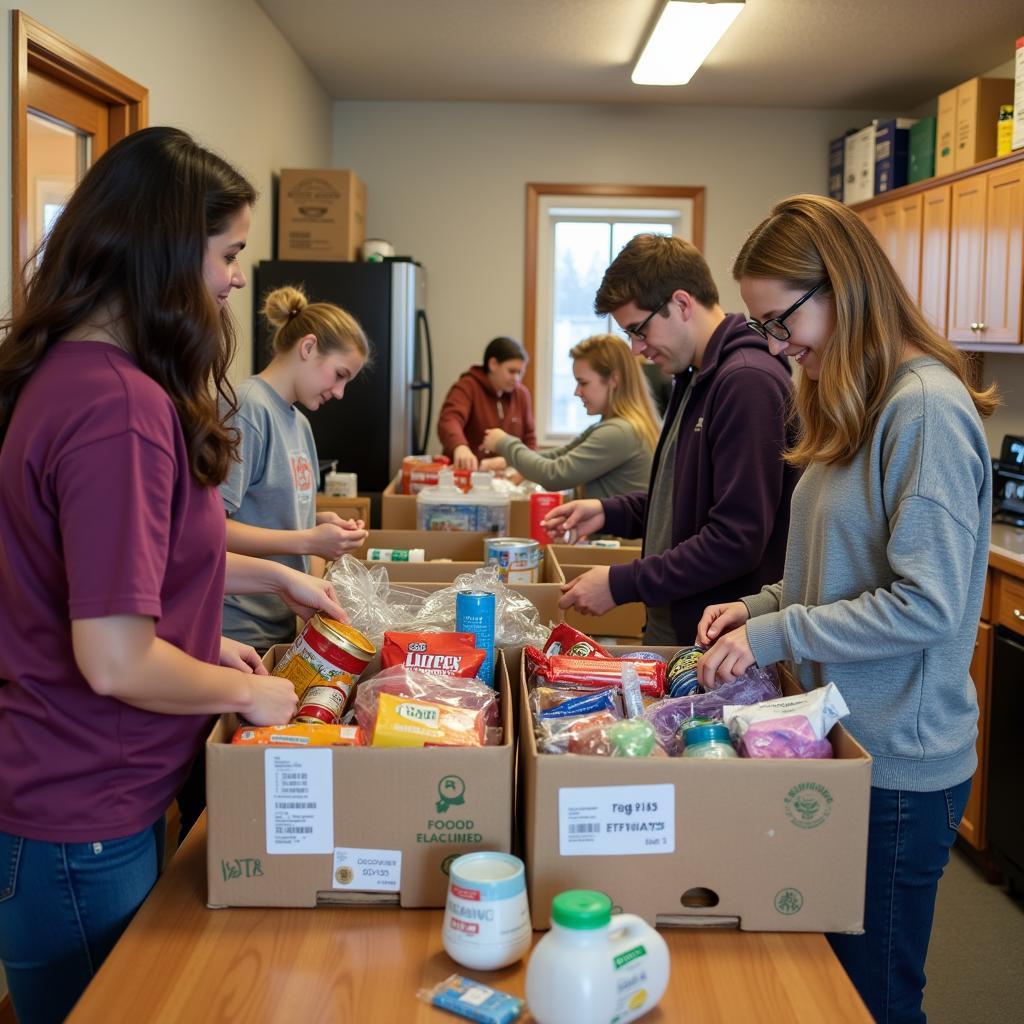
(398, 512)
(624, 620)
(765, 845)
(375, 825)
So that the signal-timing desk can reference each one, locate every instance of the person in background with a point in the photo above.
(715, 516)
(490, 395)
(112, 551)
(270, 492)
(887, 558)
(612, 456)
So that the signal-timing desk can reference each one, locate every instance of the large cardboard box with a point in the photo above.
(624, 620)
(321, 215)
(347, 508)
(466, 552)
(398, 512)
(762, 845)
(352, 819)
(977, 111)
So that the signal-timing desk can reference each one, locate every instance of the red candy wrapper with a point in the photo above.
(592, 673)
(439, 654)
(565, 640)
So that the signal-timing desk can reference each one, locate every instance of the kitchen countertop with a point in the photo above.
(1006, 549)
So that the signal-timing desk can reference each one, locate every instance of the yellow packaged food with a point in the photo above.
(407, 722)
(299, 734)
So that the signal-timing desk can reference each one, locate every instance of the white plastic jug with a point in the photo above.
(593, 968)
(492, 506)
(445, 507)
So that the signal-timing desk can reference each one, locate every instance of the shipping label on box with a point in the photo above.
(298, 827)
(768, 845)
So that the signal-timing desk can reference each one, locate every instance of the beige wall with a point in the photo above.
(221, 71)
(446, 184)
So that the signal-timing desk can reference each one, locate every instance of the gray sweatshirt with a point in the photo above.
(885, 573)
(608, 458)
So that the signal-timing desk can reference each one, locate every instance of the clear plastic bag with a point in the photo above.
(375, 605)
(754, 686)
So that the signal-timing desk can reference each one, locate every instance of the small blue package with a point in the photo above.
(473, 1000)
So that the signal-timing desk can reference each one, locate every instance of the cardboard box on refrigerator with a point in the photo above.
(377, 825)
(625, 620)
(321, 215)
(777, 845)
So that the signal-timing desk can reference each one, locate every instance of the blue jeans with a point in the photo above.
(62, 908)
(909, 837)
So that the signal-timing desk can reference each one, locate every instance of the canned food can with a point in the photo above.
(323, 704)
(474, 613)
(327, 653)
(541, 503)
(518, 558)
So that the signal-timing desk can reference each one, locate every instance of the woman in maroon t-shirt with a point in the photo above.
(112, 552)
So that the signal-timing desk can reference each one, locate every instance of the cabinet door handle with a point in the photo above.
(982, 327)
(974, 327)
(1017, 614)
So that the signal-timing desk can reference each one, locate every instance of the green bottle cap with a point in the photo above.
(581, 909)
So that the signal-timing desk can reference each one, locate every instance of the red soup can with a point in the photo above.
(541, 503)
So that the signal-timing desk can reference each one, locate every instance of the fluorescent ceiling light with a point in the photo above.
(685, 34)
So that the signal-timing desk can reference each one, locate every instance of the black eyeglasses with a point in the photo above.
(776, 326)
(638, 331)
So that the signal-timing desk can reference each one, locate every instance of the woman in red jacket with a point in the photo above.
(490, 395)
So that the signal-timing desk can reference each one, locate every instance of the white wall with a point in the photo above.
(446, 184)
(221, 71)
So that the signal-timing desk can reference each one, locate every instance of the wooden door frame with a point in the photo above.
(35, 46)
(534, 191)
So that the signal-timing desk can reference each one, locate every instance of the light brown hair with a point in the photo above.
(649, 268)
(630, 398)
(810, 240)
(294, 316)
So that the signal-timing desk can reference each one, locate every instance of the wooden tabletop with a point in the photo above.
(179, 961)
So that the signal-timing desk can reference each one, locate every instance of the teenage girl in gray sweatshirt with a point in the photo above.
(885, 564)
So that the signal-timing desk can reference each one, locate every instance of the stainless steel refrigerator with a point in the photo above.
(385, 413)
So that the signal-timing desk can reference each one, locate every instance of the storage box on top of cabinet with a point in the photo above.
(321, 215)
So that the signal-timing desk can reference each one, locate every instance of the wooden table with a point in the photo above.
(179, 961)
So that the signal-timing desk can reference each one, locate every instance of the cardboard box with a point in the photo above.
(859, 165)
(420, 808)
(892, 144)
(766, 845)
(321, 215)
(466, 551)
(347, 508)
(1018, 95)
(921, 152)
(398, 512)
(945, 134)
(624, 620)
(977, 112)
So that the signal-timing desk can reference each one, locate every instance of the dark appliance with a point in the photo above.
(1005, 815)
(385, 414)
(1008, 482)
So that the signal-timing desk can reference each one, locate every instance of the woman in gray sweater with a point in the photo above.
(613, 456)
(885, 564)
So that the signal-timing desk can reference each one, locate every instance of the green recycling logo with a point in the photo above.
(452, 793)
(789, 901)
(808, 805)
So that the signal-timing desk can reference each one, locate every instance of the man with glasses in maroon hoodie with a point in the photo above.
(715, 516)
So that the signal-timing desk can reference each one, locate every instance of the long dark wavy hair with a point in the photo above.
(131, 240)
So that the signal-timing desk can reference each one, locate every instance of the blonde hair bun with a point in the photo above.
(284, 304)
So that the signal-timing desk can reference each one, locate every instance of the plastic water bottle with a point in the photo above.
(593, 968)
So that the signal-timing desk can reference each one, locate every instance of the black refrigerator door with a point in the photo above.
(422, 385)
(356, 430)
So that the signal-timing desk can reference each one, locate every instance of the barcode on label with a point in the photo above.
(293, 805)
(293, 830)
(590, 827)
(288, 776)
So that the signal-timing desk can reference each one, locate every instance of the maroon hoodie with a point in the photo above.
(730, 489)
(472, 406)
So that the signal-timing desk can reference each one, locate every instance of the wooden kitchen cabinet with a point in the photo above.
(934, 293)
(900, 237)
(972, 826)
(986, 247)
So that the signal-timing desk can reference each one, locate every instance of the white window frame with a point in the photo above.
(547, 204)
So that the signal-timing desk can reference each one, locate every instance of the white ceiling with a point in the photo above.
(856, 54)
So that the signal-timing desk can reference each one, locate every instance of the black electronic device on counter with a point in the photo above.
(1008, 482)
